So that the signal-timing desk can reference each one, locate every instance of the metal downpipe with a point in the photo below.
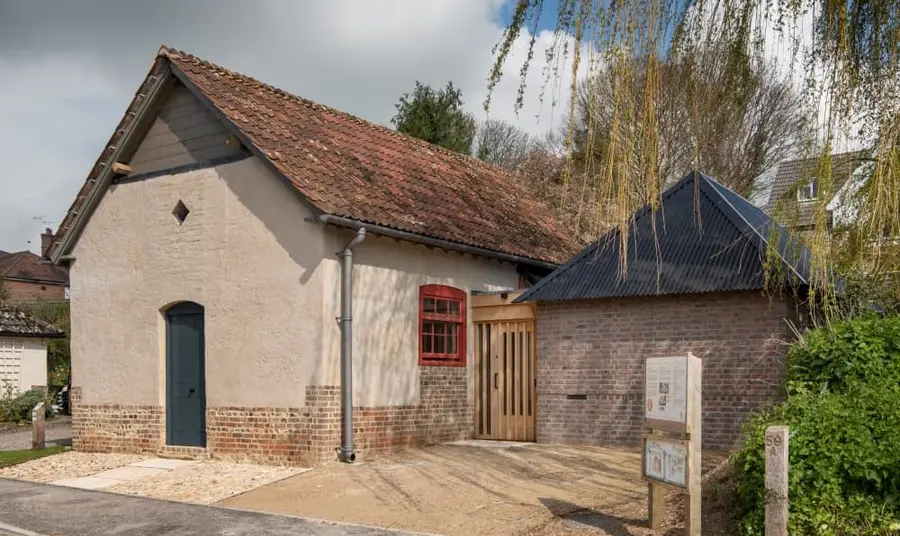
(347, 453)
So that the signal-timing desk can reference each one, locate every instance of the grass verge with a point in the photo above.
(12, 457)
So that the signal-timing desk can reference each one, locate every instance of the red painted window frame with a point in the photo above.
(443, 292)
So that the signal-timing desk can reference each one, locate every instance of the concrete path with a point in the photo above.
(27, 508)
(57, 432)
(119, 475)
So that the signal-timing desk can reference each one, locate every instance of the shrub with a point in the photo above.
(850, 353)
(843, 410)
(18, 408)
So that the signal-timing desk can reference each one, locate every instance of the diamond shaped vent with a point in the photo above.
(180, 212)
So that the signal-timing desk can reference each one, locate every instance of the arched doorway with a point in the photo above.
(185, 376)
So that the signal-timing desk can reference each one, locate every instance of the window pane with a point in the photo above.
(428, 305)
(451, 345)
(452, 329)
(426, 343)
(427, 327)
(439, 345)
(439, 328)
(442, 307)
(454, 308)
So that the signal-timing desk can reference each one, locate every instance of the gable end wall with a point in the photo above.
(184, 132)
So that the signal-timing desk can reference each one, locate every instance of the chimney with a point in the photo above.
(46, 241)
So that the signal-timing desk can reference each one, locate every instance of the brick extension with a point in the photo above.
(291, 436)
(597, 348)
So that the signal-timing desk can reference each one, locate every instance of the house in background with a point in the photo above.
(23, 349)
(26, 277)
(695, 283)
(206, 289)
(795, 191)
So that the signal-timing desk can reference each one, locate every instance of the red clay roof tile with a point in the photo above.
(349, 167)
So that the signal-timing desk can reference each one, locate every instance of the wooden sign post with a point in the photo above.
(671, 456)
(777, 462)
(37, 427)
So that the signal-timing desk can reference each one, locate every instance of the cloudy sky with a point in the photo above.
(69, 69)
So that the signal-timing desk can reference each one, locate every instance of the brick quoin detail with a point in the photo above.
(287, 436)
(597, 348)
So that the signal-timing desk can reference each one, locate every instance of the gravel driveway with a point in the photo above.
(57, 431)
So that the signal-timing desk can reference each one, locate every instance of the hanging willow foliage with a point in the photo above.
(843, 54)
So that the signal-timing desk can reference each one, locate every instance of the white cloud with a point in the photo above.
(70, 70)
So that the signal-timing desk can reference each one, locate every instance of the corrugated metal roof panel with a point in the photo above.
(710, 241)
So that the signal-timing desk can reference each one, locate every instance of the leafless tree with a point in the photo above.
(740, 132)
(501, 144)
(567, 189)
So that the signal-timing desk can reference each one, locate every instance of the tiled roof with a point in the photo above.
(707, 239)
(794, 173)
(345, 166)
(28, 266)
(16, 323)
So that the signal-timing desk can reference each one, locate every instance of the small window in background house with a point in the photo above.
(180, 212)
(808, 192)
(67, 293)
(442, 326)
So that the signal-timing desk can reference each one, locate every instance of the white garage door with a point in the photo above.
(11, 351)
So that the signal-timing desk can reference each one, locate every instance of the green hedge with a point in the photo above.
(843, 411)
(849, 354)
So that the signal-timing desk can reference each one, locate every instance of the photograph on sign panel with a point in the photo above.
(666, 461)
(654, 457)
(666, 389)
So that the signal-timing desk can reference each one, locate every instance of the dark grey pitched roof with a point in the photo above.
(16, 323)
(717, 244)
(794, 173)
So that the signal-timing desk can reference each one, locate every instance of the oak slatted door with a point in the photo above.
(505, 380)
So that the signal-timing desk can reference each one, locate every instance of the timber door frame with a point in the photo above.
(505, 367)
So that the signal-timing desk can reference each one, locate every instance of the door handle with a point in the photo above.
(190, 392)
(495, 380)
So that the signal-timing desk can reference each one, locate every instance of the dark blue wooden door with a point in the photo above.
(185, 376)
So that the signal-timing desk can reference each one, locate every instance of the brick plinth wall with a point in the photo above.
(307, 435)
(597, 349)
(115, 427)
(442, 414)
(266, 435)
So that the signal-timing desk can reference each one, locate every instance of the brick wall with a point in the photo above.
(597, 348)
(115, 428)
(289, 436)
(27, 291)
(442, 414)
